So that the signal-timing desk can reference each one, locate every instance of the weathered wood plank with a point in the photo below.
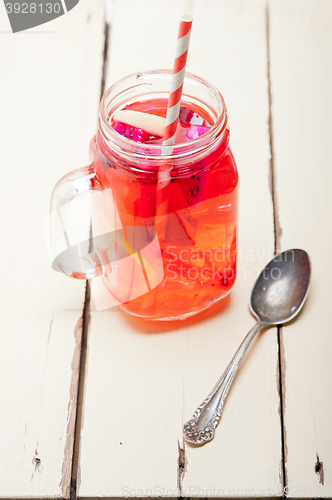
(50, 88)
(301, 78)
(143, 381)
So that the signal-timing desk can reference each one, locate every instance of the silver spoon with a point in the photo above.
(277, 297)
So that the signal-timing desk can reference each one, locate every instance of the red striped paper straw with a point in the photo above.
(179, 68)
(172, 116)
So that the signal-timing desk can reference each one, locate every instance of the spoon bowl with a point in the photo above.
(281, 288)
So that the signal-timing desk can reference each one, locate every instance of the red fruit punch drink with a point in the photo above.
(197, 229)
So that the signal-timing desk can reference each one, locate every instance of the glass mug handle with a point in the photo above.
(69, 225)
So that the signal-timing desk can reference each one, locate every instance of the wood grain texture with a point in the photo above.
(144, 380)
(50, 88)
(301, 82)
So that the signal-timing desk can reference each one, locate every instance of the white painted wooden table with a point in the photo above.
(93, 403)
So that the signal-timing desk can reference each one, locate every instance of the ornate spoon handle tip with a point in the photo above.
(201, 428)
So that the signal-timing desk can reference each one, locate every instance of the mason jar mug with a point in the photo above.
(161, 241)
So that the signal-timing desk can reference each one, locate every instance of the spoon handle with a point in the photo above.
(201, 427)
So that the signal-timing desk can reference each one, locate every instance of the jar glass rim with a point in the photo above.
(170, 151)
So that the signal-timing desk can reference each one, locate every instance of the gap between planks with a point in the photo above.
(277, 248)
(75, 471)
